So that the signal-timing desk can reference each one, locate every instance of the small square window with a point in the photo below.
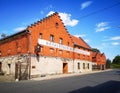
(51, 51)
(61, 40)
(78, 56)
(68, 43)
(52, 38)
(40, 36)
(56, 24)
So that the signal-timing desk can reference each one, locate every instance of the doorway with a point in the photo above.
(0, 67)
(65, 68)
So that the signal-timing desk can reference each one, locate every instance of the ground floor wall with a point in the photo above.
(96, 66)
(17, 66)
(26, 66)
(43, 65)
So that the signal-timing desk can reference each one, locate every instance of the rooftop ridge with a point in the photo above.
(85, 42)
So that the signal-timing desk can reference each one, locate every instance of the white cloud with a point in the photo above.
(102, 26)
(115, 38)
(86, 40)
(50, 13)
(66, 18)
(19, 29)
(86, 4)
(115, 43)
(80, 35)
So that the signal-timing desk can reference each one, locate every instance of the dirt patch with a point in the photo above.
(6, 78)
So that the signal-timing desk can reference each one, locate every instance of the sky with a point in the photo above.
(96, 21)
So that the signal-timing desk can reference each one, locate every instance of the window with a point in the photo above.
(52, 38)
(40, 36)
(78, 65)
(78, 56)
(88, 65)
(0, 53)
(41, 48)
(56, 24)
(83, 65)
(0, 66)
(88, 57)
(60, 53)
(61, 40)
(68, 54)
(83, 57)
(51, 51)
(68, 43)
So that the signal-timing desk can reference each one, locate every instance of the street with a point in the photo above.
(103, 82)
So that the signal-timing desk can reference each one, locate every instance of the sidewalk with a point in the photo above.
(47, 77)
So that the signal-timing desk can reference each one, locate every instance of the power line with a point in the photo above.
(101, 10)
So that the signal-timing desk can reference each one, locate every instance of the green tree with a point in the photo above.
(116, 60)
(3, 35)
(108, 63)
(95, 50)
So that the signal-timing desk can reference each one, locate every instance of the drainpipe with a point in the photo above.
(73, 57)
(29, 52)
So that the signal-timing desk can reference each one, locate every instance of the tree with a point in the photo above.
(95, 50)
(108, 63)
(3, 35)
(116, 60)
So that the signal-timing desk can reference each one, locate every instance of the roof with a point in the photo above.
(80, 42)
(18, 33)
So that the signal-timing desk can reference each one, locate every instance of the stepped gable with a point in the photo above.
(44, 19)
(80, 42)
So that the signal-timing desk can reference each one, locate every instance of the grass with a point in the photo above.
(115, 65)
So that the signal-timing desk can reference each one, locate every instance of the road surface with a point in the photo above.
(104, 82)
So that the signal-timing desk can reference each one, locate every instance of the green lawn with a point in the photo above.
(115, 65)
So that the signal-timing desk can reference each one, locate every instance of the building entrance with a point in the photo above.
(0, 66)
(65, 68)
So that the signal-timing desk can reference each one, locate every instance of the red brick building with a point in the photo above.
(99, 59)
(44, 47)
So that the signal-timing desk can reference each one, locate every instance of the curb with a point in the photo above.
(48, 77)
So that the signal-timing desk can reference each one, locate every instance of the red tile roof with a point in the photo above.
(80, 42)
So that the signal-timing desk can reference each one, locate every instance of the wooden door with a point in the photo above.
(65, 68)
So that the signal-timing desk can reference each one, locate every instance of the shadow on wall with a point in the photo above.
(107, 87)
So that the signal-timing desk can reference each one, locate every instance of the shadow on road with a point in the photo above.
(118, 72)
(107, 87)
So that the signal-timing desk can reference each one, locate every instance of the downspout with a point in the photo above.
(29, 52)
(73, 57)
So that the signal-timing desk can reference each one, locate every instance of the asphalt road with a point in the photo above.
(104, 82)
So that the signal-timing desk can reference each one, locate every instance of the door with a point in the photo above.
(65, 68)
(0, 66)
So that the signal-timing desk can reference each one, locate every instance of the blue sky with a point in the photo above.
(96, 21)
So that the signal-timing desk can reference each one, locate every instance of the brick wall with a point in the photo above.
(51, 26)
(18, 44)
